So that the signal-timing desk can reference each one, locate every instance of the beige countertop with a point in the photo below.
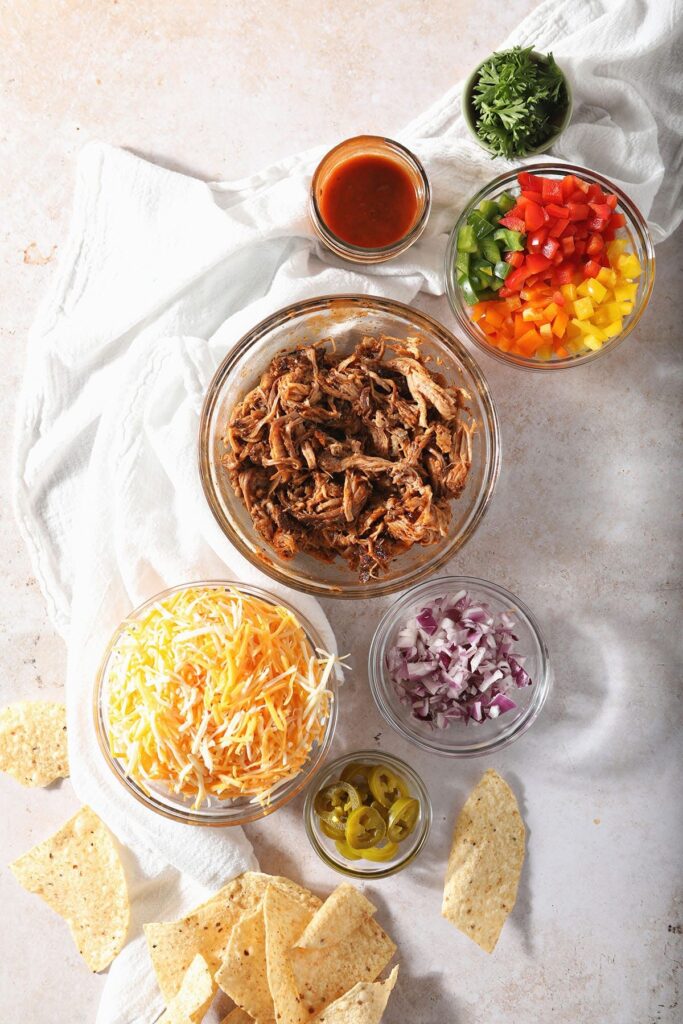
(583, 527)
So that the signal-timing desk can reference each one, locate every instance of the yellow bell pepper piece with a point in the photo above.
(628, 264)
(607, 277)
(591, 342)
(569, 291)
(583, 309)
(596, 290)
(625, 291)
(613, 329)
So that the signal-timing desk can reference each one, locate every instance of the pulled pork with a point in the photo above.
(357, 455)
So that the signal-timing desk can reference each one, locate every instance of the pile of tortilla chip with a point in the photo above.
(278, 952)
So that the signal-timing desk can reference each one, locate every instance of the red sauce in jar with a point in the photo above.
(369, 201)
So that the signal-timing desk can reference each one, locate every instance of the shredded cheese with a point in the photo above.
(214, 693)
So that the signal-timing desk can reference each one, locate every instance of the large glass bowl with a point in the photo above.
(636, 231)
(460, 739)
(178, 807)
(407, 850)
(344, 320)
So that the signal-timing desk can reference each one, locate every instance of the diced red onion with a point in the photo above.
(456, 661)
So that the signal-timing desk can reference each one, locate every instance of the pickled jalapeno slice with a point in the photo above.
(385, 786)
(365, 828)
(335, 802)
(403, 815)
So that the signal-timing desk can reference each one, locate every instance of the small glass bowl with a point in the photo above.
(342, 321)
(561, 121)
(460, 739)
(636, 231)
(407, 850)
(178, 807)
(370, 145)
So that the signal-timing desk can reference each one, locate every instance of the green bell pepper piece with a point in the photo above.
(467, 241)
(469, 292)
(512, 240)
(487, 208)
(505, 202)
(482, 226)
(502, 269)
(490, 250)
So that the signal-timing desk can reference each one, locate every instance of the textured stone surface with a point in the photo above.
(584, 525)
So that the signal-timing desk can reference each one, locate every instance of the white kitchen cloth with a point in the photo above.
(160, 276)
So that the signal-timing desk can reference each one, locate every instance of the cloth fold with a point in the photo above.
(160, 276)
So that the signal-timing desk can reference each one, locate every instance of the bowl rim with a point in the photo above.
(212, 817)
(549, 167)
(374, 254)
(413, 777)
(423, 321)
(466, 106)
(376, 676)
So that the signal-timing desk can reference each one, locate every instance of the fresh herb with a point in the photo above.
(518, 101)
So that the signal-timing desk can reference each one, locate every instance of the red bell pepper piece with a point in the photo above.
(595, 245)
(611, 201)
(565, 273)
(533, 217)
(617, 220)
(592, 268)
(568, 187)
(578, 211)
(535, 240)
(536, 262)
(559, 227)
(595, 193)
(551, 190)
(515, 259)
(601, 210)
(550, 247)
(597, 224)
(557, 211)
(517, 211)
(516, 279)
(514, 223)
(558, 298)
(529, 181)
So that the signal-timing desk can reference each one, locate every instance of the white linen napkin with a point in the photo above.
(161, 274)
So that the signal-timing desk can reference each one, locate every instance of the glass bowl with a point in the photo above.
(408, 849)
(217, 812)
(460, 739)
(636, 231)
(370, 145)
(344, 320)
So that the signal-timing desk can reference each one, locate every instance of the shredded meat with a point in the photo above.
(356, 456)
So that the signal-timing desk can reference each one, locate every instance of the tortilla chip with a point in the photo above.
(194, 995)
(206, 930)
(285, 919)
(323, 975)
(243, 974)
(33, 742)
(79, 874)
(485, 862)
(341, 913)
(365, 1003)
(237, 1016)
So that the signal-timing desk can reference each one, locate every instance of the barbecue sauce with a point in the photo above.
(369, 201)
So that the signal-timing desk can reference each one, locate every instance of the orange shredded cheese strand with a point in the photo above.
(215, 693)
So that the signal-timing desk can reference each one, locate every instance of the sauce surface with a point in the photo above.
(369, 201)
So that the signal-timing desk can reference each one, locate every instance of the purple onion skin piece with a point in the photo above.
(456, 661)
